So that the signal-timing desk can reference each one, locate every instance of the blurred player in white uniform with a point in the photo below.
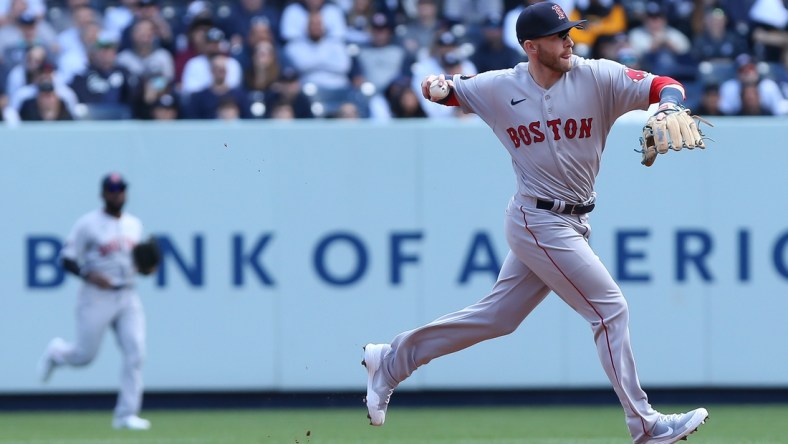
(553, 115)
(99, 250)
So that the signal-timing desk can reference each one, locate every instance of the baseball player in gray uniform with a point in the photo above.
(99, 250)
(553, 114)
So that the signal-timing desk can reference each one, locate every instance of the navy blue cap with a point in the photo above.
(380, 21)
(26, 19)
(113, 182)
(543, 19)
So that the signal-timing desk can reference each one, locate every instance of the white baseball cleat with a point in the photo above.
(131, 422)
(378, 391)
(674, 428)
(46, 365)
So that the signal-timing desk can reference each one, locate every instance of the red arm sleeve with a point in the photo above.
(660, 82)
(450, 100)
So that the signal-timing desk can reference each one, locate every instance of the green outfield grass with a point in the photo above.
(526, 425)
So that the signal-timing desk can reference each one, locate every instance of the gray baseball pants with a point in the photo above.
(96, 311)
(549, 251)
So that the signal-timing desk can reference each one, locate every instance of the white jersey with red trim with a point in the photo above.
(103, 243)
(555, 136)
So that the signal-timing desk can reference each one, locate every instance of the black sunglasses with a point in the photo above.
(564, 34)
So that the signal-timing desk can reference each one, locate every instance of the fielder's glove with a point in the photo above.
(147, 256)
(671, 127)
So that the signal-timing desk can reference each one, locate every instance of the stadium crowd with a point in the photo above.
(279, 59)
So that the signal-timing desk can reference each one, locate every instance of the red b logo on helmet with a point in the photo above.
(559, 12)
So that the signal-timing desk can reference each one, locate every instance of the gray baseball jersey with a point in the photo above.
(555, 137)
(103, 244)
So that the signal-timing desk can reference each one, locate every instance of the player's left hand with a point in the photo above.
(671, 127)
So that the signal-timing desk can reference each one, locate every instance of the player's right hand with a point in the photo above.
(425, 85)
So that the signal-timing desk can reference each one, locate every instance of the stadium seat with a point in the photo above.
(716, 71)
(326, 102)
(103, 111)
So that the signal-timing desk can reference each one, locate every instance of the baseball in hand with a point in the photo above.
(439, 90)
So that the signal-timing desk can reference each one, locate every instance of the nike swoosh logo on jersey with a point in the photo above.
(515, 102)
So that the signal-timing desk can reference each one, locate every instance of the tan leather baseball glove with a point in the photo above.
(671, 127)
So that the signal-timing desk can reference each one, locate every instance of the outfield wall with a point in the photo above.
(291, 245)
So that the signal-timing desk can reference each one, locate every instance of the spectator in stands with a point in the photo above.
(118, 17)
(282, 111)
(75, 60)
(662, 49)
(393, 9)
(751, 104)
(347, 111)
(287, 92)
(709, 104)
(359, 22)
(3, 106)
(155, 85)
(105, 81)
(446, 58)
(770, 30)
(403, 100)
(145, 56)
(605, 17)
(383, 59)
(419, 34)
(195, 43)
(165, 108)
(11, 9)
(197, 10)
(228, 108)
(26, 72)
(679, 14)
(46, 73)
(296, 15)
(320, 58)
(615, 47)
(46, 105)
(265, 68)
(656, 35)
(244, 14)
(204, 104)
(197, 74)
(717, 42)
(260, 31)
(731, 91)
(149, 10)
(26, 31)
(473, 13)
(491, 52)
(70, 38)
